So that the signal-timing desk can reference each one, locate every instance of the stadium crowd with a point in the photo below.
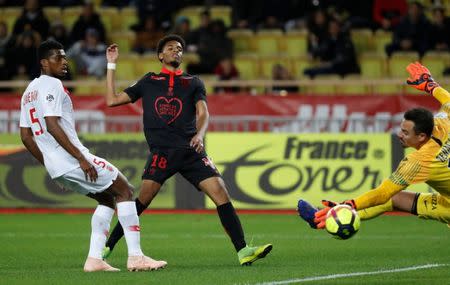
(414, 26)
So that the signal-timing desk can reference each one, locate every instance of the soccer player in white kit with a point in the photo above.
(47, 130)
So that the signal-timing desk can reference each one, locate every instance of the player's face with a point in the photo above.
(56, 64)
(408, 136)
(172, 54)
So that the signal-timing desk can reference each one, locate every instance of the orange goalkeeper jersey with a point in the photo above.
(429, 164)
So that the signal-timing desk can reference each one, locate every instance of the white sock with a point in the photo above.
(128, 218)
(100, 223)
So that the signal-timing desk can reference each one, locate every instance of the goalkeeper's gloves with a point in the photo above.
(420, 78)
(321, 215)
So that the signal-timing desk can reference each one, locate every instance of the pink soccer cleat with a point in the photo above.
(144, 263)
(96, 264)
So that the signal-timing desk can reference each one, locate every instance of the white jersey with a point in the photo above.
(44, 97)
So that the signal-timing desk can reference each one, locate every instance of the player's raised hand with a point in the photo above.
(89, 170)
(112, 53)
(420, 77)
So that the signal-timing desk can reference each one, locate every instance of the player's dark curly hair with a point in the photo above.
(162, 42)
(45, 48)
(423, 120)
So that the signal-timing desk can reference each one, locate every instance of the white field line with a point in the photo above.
(346, 275)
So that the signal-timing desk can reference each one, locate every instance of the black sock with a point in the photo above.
(117, 232)
(232, 225)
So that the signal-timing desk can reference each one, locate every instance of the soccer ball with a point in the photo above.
(342, 222)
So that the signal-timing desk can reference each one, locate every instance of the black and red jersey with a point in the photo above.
(168, 101)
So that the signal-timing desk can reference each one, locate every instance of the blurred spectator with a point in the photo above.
(212, 48)
(147, 36)
(201, 32)
(388, 13)
(162, 10)
(32, 18)
(63, 3)
(6, 56)
(411, 34)
(117, 3)
(25, 57)
(88, 19)
(89, 55)
(244, 14)
(336, 54)
(317, 29)
(226, 70)
(183, 28)
(271, 23)
(440, 30)
(58, 33)
(11, 3)
(279, 72)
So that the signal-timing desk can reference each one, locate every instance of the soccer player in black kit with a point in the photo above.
(175, 122)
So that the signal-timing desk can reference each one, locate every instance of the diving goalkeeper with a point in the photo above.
(429, 163)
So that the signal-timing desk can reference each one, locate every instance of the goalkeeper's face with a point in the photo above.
(408, 136)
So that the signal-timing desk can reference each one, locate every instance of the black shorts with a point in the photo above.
(162, 163)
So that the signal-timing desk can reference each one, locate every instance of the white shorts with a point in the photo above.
(75, 180)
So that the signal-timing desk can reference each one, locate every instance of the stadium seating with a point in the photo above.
(127, 18)
(223, 13)
(294, 42)
(398, 62)
(10, 15)
(70, 15)
(373, 65)
(436, 62)
(381, 39)
(352, 89)
(268, 42)
(127, 67)
(362, 40)
(248, 66)
(242, 40)
(124, 39)
(267, 63)
(323, 89)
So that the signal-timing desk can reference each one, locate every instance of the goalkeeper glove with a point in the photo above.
(321, 215)
(420, 78)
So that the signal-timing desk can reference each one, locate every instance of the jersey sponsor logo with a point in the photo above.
(168, 109)
(154, 77)
(50, 98)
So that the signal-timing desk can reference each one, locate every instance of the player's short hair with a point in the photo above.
(423, 120)
(45, 48)
(162, 42)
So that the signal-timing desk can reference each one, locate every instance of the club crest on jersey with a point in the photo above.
(49, 98)
(168, 109)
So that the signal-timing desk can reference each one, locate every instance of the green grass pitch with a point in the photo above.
(51, 249)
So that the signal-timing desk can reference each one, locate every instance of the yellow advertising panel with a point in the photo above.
(275, 170)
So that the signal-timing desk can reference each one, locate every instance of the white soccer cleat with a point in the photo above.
(144, 263)
(96, 264)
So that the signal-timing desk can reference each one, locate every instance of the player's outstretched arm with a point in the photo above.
(420, 78)
(113, 99)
